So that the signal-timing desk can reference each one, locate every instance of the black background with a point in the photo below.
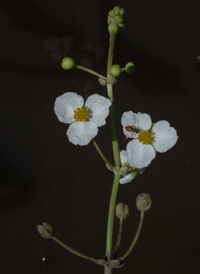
(43, 176)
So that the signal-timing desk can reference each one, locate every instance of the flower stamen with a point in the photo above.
(145, 137)
(81, 114)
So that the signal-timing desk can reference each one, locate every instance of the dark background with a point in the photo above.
(44, 177)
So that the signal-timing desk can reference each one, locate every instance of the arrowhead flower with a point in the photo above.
(148, 138)
(84, 119)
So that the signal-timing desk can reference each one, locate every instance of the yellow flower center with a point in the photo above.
(81, 114)
(145, 137)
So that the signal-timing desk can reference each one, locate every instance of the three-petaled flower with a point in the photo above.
(148, 138)
(84, 119)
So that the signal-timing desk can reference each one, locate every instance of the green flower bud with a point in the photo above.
(122, 25)
(122, 11)
(67, 63)
(113, 29)
(111, 14)
(116, 10)
(115, 70)
(119, 19)
(130, 68)
(143, 201)
(122, 211)
(45, 230)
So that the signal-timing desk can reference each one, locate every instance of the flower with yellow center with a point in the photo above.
(148, 138)
(84, 119)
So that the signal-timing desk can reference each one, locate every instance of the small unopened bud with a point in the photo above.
(121, 11)
(119, 19)
(67, 63)
(143, 201)
(130, 68)
(122, 211)
(113, 29)
(111, 13)
(45, 230)
(122, 25)
(102, 82)
(115, 70)
(116, 10)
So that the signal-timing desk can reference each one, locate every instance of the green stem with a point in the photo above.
(101, 154)
(119, 238)
(75, 251)
(111, 214)
(107, 270)
(90, 71)
(135, 238)
(115, 144)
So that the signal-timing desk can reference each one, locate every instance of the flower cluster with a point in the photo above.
(85, 118)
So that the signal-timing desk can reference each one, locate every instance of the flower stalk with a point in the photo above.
(75, 252)
(111, 215)
(101, 154)
(90, 71)
(135, 238)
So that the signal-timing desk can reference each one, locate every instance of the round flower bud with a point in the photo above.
(116, 10)
(122, 25)
(115, 70)
(143, 201)
(119, 19)
(121, 11)
(67, 63)
(113, 29)
(111, 13)
(122, 211)
(45, 230)
(130, 68)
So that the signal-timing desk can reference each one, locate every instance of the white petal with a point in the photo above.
(123, 156)
(140, 155)
(128, 119)
(81, 133)
(127, 179)
(98, 107)
(165, 137)
(65, 105)
(144, 121)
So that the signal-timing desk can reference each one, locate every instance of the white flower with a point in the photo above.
(84, 119)
(148, 138)
(128, 173)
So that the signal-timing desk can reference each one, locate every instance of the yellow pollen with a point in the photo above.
(81, 114)
(145, 137)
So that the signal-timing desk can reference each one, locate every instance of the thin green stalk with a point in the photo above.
(75, 251)
(101, 154)
(110, 96)
(111, 214)
(107, 270)
(110, 53)
(119, 237)
(135, 238)
(90, 71)
(115, 143)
